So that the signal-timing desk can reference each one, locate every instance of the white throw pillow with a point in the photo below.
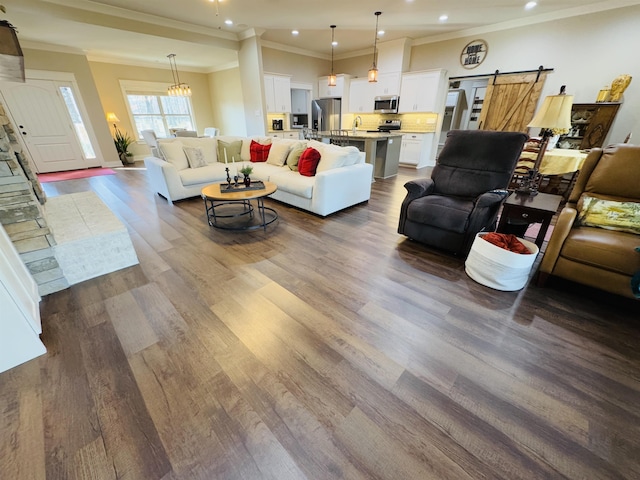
(209, 147)
(278, 152)
(195, 157)
(173, 153)
(334, 156)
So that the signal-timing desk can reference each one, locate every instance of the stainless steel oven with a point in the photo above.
(387, 104)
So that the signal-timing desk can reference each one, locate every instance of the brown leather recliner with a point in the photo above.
(598, 257)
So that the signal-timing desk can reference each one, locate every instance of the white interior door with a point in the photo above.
(43, 121)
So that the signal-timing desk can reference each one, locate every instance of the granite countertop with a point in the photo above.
(364, 135)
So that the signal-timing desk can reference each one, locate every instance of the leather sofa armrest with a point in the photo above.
(561, 231)
(419, 188)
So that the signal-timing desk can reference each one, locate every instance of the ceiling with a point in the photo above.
(144, 32)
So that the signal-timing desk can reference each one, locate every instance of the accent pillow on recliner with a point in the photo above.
(308, 162)
(622, 216)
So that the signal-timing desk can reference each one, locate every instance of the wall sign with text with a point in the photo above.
(473, 54)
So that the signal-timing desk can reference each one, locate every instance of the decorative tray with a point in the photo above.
(255, 185)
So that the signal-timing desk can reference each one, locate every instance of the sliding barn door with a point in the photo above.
(510, 101)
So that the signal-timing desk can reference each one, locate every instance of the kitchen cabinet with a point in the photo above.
(341, 89)
(288, 134)
(416, 149)
(388, 84)
(277, 89)
(20, 318)
(299, 101)
(422, 92)
(361, 95)
(590, 124)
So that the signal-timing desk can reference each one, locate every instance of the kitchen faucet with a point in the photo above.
(356, 122)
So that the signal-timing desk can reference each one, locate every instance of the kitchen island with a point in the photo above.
(382, 149)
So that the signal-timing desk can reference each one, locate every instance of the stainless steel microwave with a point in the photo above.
(388, 104)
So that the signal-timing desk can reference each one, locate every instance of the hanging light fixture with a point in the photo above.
(373, 71)
(11, 57)
(332, 76)
(178, 89)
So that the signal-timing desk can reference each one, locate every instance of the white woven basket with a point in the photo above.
(498, 268)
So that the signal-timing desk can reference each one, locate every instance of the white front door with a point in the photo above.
(44, 124)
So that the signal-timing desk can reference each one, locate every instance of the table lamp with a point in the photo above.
(112, 118)
(555, 114)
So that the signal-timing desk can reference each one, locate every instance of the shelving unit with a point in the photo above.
(590, 124)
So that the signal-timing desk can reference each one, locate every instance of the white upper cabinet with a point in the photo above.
(339, 91)
(277, 89)
(388, 84)
(422, 92)
(361, 95)
(299, 101)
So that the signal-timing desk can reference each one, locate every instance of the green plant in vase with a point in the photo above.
(122, 142)
(246, 171)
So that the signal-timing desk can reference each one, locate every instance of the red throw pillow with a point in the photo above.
(259, 152)
(309, 162)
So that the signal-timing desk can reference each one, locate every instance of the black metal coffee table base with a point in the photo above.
(219, 211)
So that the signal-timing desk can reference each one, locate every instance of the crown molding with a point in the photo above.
(295, 50)
(526, 21)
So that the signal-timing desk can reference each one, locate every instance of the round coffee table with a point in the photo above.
(222, 204)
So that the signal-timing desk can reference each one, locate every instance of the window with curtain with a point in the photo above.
(152, 109)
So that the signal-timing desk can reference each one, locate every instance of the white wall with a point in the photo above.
(227, 102)
(586, 53)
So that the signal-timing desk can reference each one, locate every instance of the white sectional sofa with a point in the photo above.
(342, 178)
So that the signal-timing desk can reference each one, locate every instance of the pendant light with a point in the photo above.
(178, 89)
(332, 77)
(373, 71)
(11, 57)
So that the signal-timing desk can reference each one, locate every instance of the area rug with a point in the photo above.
(74, 174)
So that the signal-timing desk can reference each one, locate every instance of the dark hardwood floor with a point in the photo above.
(325, 348)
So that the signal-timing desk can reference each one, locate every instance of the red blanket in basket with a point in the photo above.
(508, 241)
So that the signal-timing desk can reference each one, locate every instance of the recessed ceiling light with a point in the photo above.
(380, 32)
(530, 5)
(294, 32)
(228, 22)
(443, 18)
(334, 43)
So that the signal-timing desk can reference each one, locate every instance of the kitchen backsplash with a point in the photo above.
(411, 122)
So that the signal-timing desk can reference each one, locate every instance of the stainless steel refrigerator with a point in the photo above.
(325, 114)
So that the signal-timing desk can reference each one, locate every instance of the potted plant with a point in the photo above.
(246, 171)
(122, 142)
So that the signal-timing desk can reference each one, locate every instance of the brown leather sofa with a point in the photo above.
(598, 257)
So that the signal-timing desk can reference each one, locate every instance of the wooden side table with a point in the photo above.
(529, 209)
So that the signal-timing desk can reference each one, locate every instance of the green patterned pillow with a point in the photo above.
(232, 149)
(294, 157)
(623, 216)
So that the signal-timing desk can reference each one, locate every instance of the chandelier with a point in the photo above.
(178, 89)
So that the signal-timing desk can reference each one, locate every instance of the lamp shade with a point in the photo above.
(555, 113)
(11, 58)
(112, 118)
